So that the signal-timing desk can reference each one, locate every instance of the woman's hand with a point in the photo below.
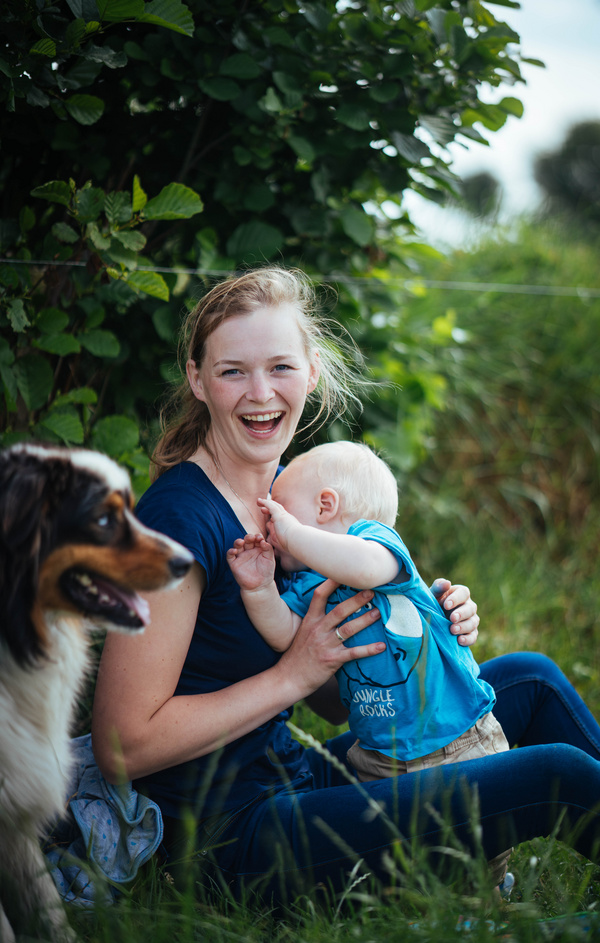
(460, 609)
(318, 648)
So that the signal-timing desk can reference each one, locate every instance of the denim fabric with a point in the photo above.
(288, 843)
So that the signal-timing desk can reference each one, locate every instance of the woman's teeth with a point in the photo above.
(265, 417)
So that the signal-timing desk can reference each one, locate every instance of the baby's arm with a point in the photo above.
(344, 558)
(252, 563)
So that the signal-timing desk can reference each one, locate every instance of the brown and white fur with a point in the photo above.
(72, 557)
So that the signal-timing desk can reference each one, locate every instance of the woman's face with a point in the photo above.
(254, 379)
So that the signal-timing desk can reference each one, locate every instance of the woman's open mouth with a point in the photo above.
(262, 423)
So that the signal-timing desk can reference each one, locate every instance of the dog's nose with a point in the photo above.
(180, 565)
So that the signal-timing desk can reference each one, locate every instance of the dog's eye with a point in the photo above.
(104, 521)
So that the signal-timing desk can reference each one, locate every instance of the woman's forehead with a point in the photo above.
(266, 331)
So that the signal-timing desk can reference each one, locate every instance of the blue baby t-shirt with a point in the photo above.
(424, 690)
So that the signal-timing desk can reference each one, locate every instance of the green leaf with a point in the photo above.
(66, 425)
(52, 320)
(130, 239)
(6, 355)
(220, 87)
(409, 147)
(122, 256)
(352, 117)
(254, 240)
(37, 98)
(271, 101)
(44, 47)
(357, 225)
(513, 106)
(9, 277)
(302, 148)
(117, 206)
(85, 109)
(115, 435)
(442, 130)
(151, 283)
(258, 198)
(286, 83)
(242, 155)
(17, 315)
(240, 66)
(61, 344)
(317, 15)
(56, 191)
(64, 233)
(10, 384)
(138, 196)
(89, 203)
(165, 324)
(175, 201)
(83, 395)
(384, 92)
(114, 11)
(105, 56)
(100, 343)
(171, 14)
(98, 239)
(34, 380)
(26, 218)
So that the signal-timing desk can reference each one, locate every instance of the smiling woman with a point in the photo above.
(196, 709)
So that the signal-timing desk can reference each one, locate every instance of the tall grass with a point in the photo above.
(508, 503)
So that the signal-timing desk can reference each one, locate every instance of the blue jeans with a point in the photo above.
(290, 842)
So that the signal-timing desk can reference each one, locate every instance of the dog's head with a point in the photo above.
(69, 542)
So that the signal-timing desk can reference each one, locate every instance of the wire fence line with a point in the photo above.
(571, 291)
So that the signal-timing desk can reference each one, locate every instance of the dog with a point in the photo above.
(72, 557)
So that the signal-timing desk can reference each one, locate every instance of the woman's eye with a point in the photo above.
(230, 373)
(283, 366)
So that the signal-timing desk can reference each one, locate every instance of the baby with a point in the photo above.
(419, 703)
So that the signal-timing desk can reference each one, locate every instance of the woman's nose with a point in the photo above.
(261, 390)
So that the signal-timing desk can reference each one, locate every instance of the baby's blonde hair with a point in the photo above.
(365, 484)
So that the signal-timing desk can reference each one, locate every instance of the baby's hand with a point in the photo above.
(280, 523)
(252, 562)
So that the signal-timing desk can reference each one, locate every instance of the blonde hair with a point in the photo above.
(365, 484)
(185, 420)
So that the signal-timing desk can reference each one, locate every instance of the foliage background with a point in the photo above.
(272, 131)
(152, 146)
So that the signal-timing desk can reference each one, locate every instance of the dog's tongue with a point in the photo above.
(108, 592)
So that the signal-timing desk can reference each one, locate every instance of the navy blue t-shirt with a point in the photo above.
(225, 648)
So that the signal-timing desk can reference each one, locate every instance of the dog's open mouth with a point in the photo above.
(96, 596)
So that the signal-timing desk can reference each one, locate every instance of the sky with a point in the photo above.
(565, 35)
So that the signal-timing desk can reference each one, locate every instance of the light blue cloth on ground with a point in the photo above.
(110, 833)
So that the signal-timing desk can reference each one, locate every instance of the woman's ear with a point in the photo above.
(193, 375)
(329, 505)
(314, 372)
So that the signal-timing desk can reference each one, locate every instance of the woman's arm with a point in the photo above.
(140, 727)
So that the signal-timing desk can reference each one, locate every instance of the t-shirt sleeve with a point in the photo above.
(299, 593)
(176, 505)
(408, 576)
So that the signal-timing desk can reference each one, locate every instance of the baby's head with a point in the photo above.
(337, 484)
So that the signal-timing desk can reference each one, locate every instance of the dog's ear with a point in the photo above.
(28, 489)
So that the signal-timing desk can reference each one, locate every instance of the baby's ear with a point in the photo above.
(329, 505)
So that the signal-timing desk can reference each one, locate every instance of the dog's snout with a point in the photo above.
(180, 565)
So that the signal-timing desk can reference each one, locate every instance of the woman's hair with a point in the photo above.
(366, 486)
(185, 420)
